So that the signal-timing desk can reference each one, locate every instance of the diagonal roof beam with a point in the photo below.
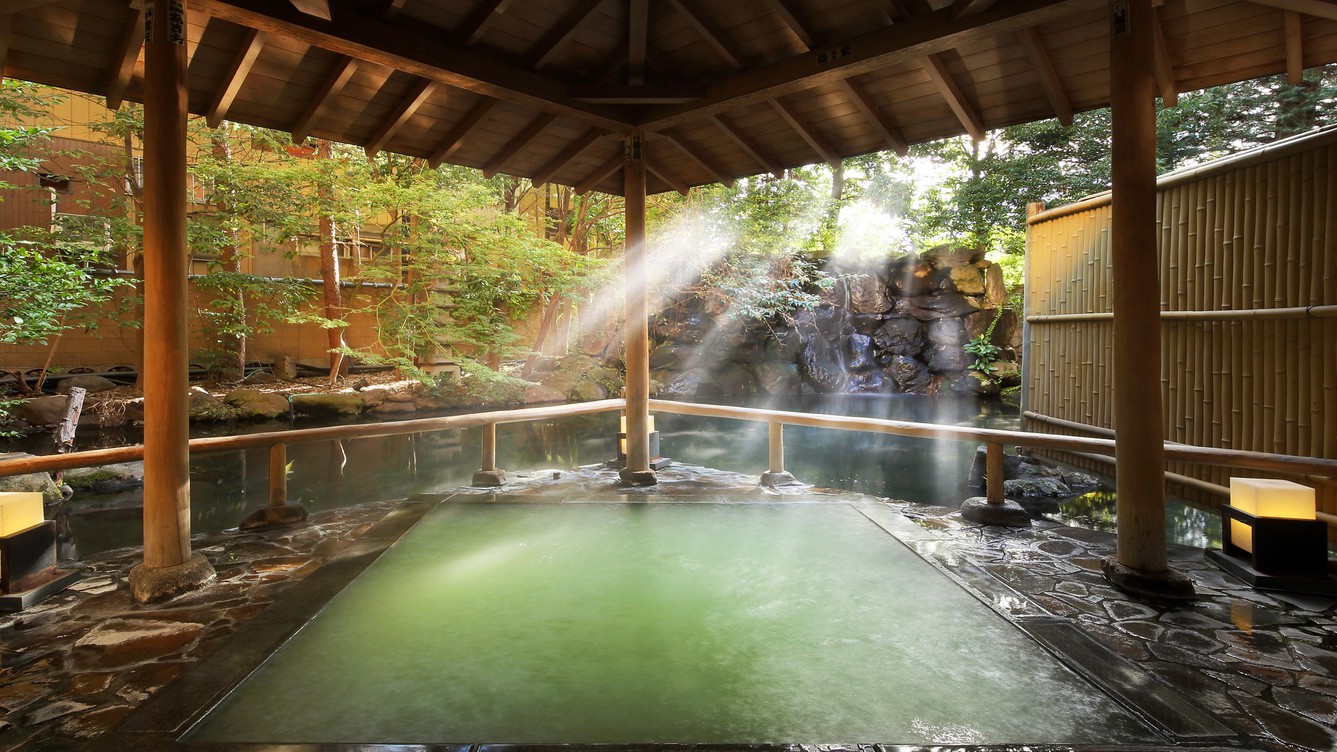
(818, 145)
(4, 44)
(715, 174)
(706, 33)
(744, 143)
(956, 99)
(666, 176)
(1165, 73)
(447, 148)
(318, 8)
(402, 114)
(518, 144)
(967, 7)
(864, 103)
(613, 164)
(785, 10)
(638, 33)
(477, 23)
(568, 154)
(1295, 65)
(251, 45)
(1044, 70)
(343, 70)
(124, 66)
(392, 8)
(414, 50)
(1317, 8)
(907, 40)
(563, 33)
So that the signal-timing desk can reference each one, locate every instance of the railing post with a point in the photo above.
(278, 475)
(488, 475)
(994, 473)
(278, 511)
(777, 476)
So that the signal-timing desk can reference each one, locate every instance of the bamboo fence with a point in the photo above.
(1248, 292)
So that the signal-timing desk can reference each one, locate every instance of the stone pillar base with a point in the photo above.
(1170, 585)
(773, 479)
(154, 584)
(489, 478)
(1008, 514)
(638, 477)
(273, 516)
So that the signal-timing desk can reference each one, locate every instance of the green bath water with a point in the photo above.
(658, 623)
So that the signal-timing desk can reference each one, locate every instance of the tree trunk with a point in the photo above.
(329, 273)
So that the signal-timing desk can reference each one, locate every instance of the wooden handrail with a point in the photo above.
(1240, 314)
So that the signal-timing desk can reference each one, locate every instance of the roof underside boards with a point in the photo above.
(546, 89)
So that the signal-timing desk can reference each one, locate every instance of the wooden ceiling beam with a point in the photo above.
(906, 40)
(518, 144)
(968, 7)
(124, 66)
(638, 40)
(1044, 70)
(317, 8)
(864, 103)
(1316, 8)
(744, 143)
(452, 143)
(18, 6)
(251, 45)
(478, 22)
(413, 49)
(402, 114)
(1295, 65)
(5, 37)
(667, 177)
(666, 93)
(717, 175)
(1165, 74)
(706, 33)
(824, 150)
(785, 10)
(606, 169)
(568, 154)
(563, 33)
(392, 8)
(956, 99)
(343, 70)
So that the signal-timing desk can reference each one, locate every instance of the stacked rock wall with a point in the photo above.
(896, 327)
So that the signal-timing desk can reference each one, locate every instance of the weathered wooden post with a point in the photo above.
(278, 511)
(994, 473)
(1140, 566)
(637, 332)
(489, 475)
(168, 567)
(777, 475)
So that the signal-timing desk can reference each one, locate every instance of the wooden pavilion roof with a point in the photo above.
(546, 89)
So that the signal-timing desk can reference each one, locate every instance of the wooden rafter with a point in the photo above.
(4, 44)
(477, 23)
(124, 65)
(452, 143)
(1295, 64)
(706, 33)
(814, 140)
(613, 164)
(317, 8)
(638, 39)
(577, 147)
(392, 8)
(343, 70)
(518, 144)
(1044, 70)
(17, 6)
(785, 9)
(402, 114)
(864, 103)
(968, 7)
(691, 153)
(413, 50)
(744, 143)
(563, 33)
(663, 174)
(1316, 8)
(657, 93)
(251, 45)
(1165, 73)
(907, 40)
(956, 99)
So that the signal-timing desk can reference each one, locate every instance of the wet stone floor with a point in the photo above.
(77, 665)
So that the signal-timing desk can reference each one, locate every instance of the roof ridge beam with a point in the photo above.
(456, 138)
(864, 103)
(638, 40)
(533, 130)
(705, 32)
(338, 77)
(905, 40)
(402, 114)
(124, 66)
(411, 49)
(575, 149)
(251, 45)
(563, 33)
(824, 151)
(744, 143)
(1034, 46)
(956, 99)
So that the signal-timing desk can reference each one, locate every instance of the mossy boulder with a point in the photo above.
(41, 411)
(206, 408)
(107, 478)
(252, 404)
(86, 381)
(39, 482)
(327, 405)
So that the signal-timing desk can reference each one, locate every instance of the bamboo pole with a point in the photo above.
(637, 336)
(278, 474)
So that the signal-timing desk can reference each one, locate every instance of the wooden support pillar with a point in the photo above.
(488, 475)
(168, 568)
(278, 475)
(994, 473)
(637, 331)
(777, 475)
(1140, 566)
